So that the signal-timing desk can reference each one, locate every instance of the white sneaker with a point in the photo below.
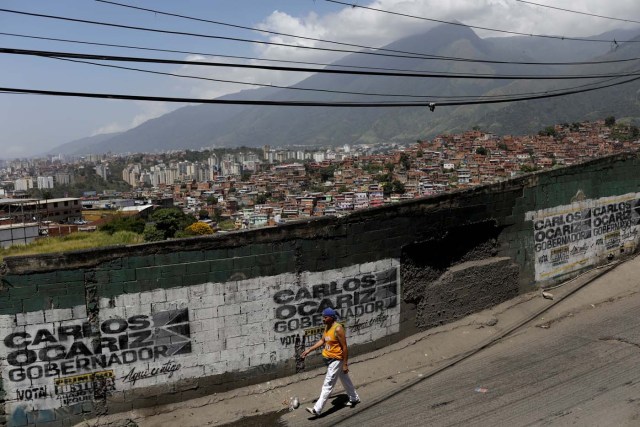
(352, 403)
(312, 411)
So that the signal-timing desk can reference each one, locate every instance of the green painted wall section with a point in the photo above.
(59, 281)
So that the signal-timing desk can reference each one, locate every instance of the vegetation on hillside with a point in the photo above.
(119, 222)
(166, 224)
(72, 242)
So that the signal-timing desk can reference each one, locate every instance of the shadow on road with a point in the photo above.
(264, 420)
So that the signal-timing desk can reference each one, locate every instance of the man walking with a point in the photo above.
(336, 357)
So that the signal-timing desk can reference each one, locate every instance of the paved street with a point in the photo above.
(583, 370)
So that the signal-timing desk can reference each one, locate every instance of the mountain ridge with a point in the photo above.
(207, 125)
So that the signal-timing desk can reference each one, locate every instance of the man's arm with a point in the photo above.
(342, 339)
(319, 344)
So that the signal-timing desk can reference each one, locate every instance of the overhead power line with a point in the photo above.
(578, 12)
(425, 74)
(371, 51)
(476, 27)
(430, 105)
(438, 57)
(328, 90)
(189, 52)
(208, 36)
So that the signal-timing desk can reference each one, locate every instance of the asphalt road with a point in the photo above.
(582, 370)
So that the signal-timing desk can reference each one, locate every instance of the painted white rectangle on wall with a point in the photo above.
(570, 237)
(51, 359)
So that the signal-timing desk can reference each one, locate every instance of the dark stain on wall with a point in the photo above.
(456, 274)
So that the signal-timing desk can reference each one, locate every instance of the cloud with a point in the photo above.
(364, 27)
(149, 110)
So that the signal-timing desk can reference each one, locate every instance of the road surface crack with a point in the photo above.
(621, 340)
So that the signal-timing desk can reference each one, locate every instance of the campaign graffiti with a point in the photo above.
(168, 369)
(38, 392)
(84, 388)
(379, 320)
(568, 238)
(351, 297)
(58, 364)
(74, 348)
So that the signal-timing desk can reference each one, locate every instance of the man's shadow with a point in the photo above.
(337, 403)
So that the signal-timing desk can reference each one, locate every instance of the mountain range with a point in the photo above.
(210, 125)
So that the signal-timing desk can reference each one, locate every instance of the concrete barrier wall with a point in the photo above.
(113, 329)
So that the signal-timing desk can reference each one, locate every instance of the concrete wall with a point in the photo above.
(18, 234)
(112, 329)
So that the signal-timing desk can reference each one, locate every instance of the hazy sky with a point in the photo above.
(33, 124)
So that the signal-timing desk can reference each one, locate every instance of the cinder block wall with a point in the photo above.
(112, 329)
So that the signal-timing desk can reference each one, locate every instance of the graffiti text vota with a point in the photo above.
(72, 348)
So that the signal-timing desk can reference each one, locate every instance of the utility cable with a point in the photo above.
(328, 90)
(435, 57)
(344, 51)
(476, 27)
(237, 82)
(431, 105)
(209, 36)
(425, 74)
(187, 52)
(578, 12)
(443, 58)
(234, 56)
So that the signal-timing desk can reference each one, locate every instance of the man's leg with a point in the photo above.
(330, 379)
(348, 386)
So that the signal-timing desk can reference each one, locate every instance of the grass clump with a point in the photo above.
(72, 242)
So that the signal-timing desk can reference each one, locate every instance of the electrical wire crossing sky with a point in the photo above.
(263, 39)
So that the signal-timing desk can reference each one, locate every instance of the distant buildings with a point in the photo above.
(268, 186)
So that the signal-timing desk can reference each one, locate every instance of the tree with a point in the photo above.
(261, 199)
(398, 187)
(199, 229)
(203, 214)
(327, 173)
(548, 131)
(395, 187)
(405, 161)
(482, 151)
(383, 177)
(170, 220)
(152, 234)
(610, 121)
(124, 223)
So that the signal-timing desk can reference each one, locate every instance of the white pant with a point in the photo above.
(334, 371)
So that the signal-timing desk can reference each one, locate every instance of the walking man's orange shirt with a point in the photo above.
(332, 348)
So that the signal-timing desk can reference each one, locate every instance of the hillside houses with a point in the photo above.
(285, 185)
